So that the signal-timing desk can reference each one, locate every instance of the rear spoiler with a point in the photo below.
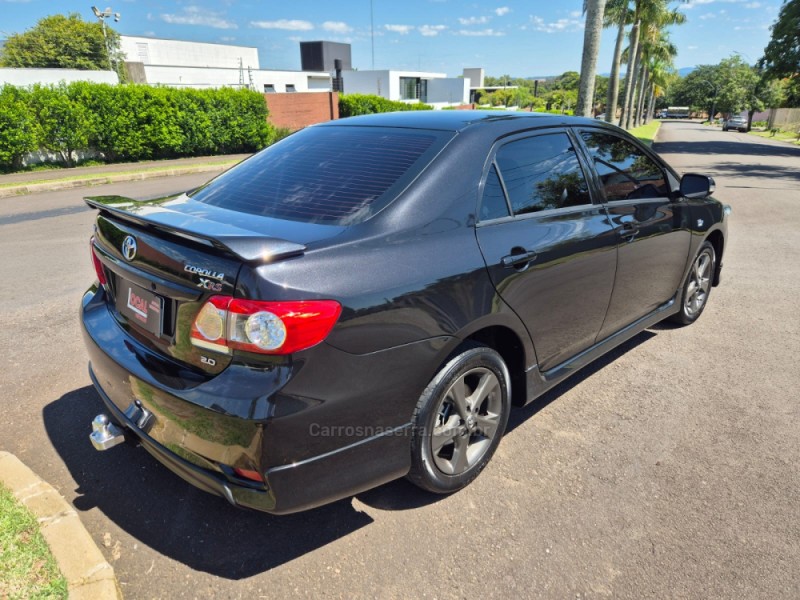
(246, 245)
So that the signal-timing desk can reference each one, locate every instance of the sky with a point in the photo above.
(522, 39)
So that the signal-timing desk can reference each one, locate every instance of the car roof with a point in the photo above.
(458, 120)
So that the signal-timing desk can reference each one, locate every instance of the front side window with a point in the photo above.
(625, 171)
(542, 173)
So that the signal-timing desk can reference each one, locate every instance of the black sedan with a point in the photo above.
(367, 299)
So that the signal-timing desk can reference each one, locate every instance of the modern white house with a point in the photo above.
(409, 86)
(178, 63)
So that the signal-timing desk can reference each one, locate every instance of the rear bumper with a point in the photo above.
(315, 434)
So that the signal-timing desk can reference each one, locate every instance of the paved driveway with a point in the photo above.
(668, 469)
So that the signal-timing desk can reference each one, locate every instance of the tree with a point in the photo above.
(782, 54)
(591, 46)
(781, 58)
(61, 41)
(618, 15)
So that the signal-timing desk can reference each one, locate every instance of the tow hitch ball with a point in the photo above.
(105, 434)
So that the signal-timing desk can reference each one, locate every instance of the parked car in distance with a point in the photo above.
(367, 298)
(736, 122)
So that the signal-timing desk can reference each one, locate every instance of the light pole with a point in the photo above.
(715, 87)
(102, 16)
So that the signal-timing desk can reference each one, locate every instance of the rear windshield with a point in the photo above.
(330, 175)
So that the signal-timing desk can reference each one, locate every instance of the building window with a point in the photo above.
(290, 87)
(269, 88)
(409, 88)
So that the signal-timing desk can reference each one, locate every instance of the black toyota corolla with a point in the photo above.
(368, 298)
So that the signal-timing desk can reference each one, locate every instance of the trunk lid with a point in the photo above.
(165, 258)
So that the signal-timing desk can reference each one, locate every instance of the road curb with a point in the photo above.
(100, 179)
(88, 573)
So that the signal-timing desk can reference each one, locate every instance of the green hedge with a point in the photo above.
(351, 105)
(129, 122)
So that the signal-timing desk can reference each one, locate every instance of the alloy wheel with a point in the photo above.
(699, 283)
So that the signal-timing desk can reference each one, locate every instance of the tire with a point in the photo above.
(455, 435)
(697, 286)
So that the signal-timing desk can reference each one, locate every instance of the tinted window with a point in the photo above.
(493, 205)
(624, 170)
(333, 175)
(542, 172)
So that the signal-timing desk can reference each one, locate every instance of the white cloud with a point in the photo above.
(707, 16)
(691, 47)
(575, 14)
(561, 25)
(503, 10)
(337, 27)
(287, 24)
(753, 5)
(227, 38)
(473, 20)
(401, 29)
(194, 15)
(480, 32)
(431, 30)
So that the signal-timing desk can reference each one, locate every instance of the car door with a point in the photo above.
(550, 252)
(651, 221)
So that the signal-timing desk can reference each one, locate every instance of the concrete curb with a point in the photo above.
(88, 574)
(100, 179)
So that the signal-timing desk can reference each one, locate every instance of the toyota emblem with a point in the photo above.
(129, 247)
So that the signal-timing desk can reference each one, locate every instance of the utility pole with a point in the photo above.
(372, 31)
(102, 16)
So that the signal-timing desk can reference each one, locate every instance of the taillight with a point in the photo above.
(225, 324)
(98, 266)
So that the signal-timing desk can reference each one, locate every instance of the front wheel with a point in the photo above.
(459, 420)
(697, 286)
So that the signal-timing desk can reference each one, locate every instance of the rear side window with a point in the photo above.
(493, 204)
(625, 171)
(542, 173)
(329, 175)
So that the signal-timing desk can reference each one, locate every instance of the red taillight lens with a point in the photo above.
(251, 475)
(98, 266)
(226, 323)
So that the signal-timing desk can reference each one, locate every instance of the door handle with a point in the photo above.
(518, 259)
(628, 230)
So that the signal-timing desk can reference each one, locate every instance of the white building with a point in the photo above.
(177, 63)
(409, 86)
(26, 77)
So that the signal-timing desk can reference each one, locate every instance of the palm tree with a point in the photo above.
(617, 14)
(654, 44)
(591, 46)
(649, 16)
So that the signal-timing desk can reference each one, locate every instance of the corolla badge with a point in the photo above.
(207, 276)
(129, 247)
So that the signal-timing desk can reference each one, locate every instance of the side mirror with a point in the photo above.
(696, 186)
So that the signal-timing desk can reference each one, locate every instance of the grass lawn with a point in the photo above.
(27, 569)
(646, 133)
(783, 136)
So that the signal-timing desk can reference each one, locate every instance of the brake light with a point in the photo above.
(225, 324)
(98, 266)
(248, 474)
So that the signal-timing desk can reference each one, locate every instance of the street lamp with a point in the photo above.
(102, 16)
(715, 87)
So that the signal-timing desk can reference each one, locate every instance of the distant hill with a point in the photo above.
(685, 71)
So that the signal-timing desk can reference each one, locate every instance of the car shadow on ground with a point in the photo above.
(734, 146)
(204, 532)
(185, 524)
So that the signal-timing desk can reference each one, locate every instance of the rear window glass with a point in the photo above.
(329, 175)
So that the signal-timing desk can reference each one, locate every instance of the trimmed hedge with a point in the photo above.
(351, 105)
(129, 122)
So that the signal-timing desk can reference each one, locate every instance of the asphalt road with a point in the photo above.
(670, 469)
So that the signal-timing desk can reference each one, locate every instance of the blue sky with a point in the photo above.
(519, 38)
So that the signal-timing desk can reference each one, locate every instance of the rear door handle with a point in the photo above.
(518, 259)
(628, 230)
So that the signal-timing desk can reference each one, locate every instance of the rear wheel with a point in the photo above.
(459, 420)
(697, 286)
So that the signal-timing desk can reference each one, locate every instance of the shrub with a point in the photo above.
(351, 105)
(19, 131)
(130, 122)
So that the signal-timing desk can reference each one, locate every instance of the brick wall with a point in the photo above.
(300, 109)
